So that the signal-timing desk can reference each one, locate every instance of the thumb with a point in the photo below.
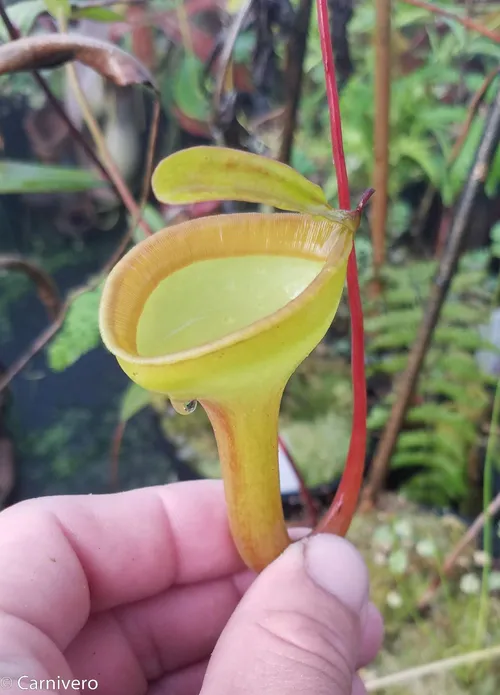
(301, 627)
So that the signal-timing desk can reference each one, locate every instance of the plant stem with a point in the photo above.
(333, 106)
(49, 332)
(45, 285)
(421, 216)
(75, 133)
(100, 142)
(294, 73)
(253, 494)
(111, 173)
(489, 465)
(451, 559)
(439, 290)
(224, 77)
(464, 21)
(405, 677)
(472, 109)
(339, 516)
(381, 131)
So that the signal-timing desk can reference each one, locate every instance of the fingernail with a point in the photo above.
(336, 566)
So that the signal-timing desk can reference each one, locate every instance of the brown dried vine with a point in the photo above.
(464, 21)
(294, 72)
(22, 53)
(451, 559)
(45, 285)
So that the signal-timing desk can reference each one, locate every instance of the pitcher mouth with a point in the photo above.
(138, 274)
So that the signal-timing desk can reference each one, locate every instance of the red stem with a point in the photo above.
(338, 518)
(333, 105)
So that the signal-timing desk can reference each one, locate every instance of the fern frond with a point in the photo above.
(393, 320)
(388, 364)
(397, 339)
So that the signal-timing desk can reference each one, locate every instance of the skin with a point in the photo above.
(136, 589)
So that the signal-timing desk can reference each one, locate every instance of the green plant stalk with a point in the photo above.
(491, 451)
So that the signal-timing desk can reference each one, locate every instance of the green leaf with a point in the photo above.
(434, 489)
(377, 417)
(442, 386)
(96, 14)
(426, 459)
(457, 173)
(469, 281)
(244, 47)
(23, 15)
(460, 365)
(392, 364)
(418, 441)
(79, 333)
(58, 8)
(493, 178)
(400, 338)
(420, 153)
(450, 445)
(495, 233)
(218, 173)
(393, 320)
(481, 46)
(187, 94)
(401, 297)
(153, 218)
(459, 338)
(434, 414)
(26, 177)
(463, 314)
(133, 401)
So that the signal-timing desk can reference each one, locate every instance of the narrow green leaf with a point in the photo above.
(134, 400)
(58, 8)
(420, 153)
(154, 219)
(186, 91)
(217, 173)
(96, 14)
(27, 177)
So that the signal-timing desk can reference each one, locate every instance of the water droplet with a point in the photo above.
(184, 407)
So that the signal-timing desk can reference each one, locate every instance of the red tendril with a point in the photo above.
(338, 518)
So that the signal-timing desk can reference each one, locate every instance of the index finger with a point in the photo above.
(64, 557)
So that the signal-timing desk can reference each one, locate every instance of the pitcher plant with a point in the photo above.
(221, 310)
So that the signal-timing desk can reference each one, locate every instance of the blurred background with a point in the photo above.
(420, 101)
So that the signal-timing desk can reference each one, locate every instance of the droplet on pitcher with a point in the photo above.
(184, 407)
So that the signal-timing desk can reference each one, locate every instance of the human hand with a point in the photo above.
(132, 593)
